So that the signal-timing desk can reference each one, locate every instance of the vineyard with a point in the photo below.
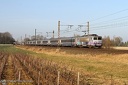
(23, 67)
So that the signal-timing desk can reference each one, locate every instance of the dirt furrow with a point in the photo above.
(14, 73)
(8, 72)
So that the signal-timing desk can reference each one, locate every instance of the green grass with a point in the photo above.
(8, 48)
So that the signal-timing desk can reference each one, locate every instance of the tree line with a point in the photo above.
(115, 41)
(6, 38)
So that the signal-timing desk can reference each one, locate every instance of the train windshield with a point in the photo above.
(97, 38)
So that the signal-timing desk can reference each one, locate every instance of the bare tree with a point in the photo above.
(107, 42)
(117, 41)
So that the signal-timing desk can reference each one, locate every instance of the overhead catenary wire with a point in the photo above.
(114, 25)
(112, 20)
(109, 15)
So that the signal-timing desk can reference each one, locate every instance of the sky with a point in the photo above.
(105, 17)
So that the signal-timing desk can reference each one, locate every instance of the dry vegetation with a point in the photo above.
(105, 66)
(121, 48)
(42, 65)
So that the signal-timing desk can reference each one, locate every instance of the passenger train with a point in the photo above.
(92, 40)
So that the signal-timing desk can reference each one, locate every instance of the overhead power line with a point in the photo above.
(109, 15)
(100, 27)
(112, 20)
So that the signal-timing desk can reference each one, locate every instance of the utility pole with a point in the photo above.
(35, 37)
(53, 33)
(58, 29)
(59, 32)
(88, 27)
(21, 40)
(25, 39)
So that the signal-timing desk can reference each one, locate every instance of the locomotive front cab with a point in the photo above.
(97, 41)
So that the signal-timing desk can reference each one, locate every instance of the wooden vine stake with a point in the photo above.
(24, 62)
(39, 78)
(78, 78)
(41, 69)
(19, 75)
(58, 78)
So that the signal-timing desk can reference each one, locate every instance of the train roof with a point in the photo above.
(73, 37)
(61, 38)
(90, 35)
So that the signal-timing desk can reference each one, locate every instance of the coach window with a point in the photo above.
(45, 41)
(73, 40)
